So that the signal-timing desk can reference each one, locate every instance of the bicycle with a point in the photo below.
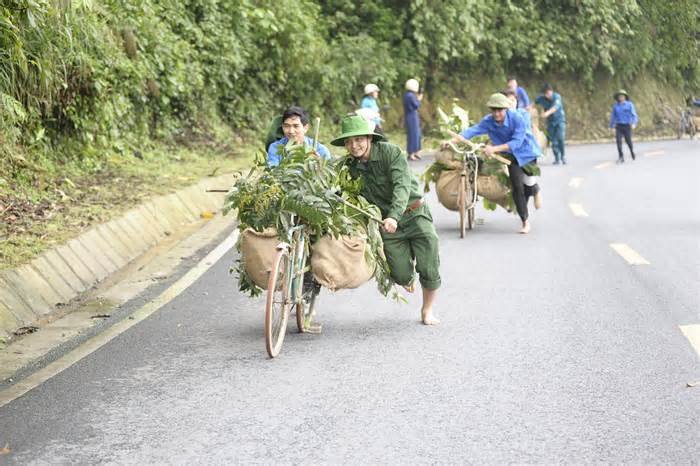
(686, 124)
(467, 194)
(286, 288)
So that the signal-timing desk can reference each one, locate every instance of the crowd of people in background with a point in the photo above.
(508, 125)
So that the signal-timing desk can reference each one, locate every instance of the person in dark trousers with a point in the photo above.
(556, 121)
(623, 119)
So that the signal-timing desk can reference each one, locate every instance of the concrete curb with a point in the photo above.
(33, 291)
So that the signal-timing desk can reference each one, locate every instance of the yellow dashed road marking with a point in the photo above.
(577, 210)
(692, 333)
(629, 254)
(603, 165)
(575, 182)
(654, 153)
(96, 342)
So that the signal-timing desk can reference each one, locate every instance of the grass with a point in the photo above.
(55, 208)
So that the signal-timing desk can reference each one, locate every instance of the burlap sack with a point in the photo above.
(490, 188)
(340, 263)
(258, 251)
(447, 188)
(446, 158)
(540, 137)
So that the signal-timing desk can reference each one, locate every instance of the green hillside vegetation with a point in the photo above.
(95, 92)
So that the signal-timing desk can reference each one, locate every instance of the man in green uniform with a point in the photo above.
(410, 239)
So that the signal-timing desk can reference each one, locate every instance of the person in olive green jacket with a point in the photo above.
(410, 239)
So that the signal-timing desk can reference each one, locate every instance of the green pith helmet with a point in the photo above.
(621, 92)
(498, 100)
(355, 125)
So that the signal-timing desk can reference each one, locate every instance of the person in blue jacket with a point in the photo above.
(369, 108)
(623, 119)
(511, 137)
(556, 121)
(295, 124)
(520, 93)
(411, 103)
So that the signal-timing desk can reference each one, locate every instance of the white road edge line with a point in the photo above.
(96, 342)
(603, 165)
(692, 333)
(629, 254)
(575, 182)
(577, 210)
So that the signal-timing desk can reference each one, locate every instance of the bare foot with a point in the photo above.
(428, 318)
(525, 228)
(410, 287)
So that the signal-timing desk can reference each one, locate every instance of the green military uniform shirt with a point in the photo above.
(388, 181)
(389, 184)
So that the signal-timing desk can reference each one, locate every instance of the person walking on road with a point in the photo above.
(295, 124)
(520, 93)
(410, 240)
(411, 104)
(510, 135)
(623, 119)
(556, 121)
(369, 108)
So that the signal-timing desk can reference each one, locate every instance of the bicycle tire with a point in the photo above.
(277, 310)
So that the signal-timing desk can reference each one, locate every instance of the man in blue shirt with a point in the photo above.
(295, 124)
(509, 135)
(520, 93)
(623, 119)
(556, 121)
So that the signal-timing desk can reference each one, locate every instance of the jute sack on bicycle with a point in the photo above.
(447, 188)
(489, 187)
(341, 263)
(258, 250)
(446, 158)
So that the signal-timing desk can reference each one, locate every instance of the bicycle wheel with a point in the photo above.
(472, 203)
(278, 304)
(462, 206)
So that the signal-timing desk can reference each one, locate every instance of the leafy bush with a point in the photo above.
(81, 79)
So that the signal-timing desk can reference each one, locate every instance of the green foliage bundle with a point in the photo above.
(318, 193)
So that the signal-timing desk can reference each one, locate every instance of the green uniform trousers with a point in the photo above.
(414, 248)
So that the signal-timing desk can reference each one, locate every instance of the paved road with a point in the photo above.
(553, 348)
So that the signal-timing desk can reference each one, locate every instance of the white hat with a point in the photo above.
(412, 85)
(369, 88)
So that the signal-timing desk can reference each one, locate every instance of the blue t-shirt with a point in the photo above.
(558, 116)
(522, 97)
(276, 150)
(371, 103)
(513, 131)
(623, 113)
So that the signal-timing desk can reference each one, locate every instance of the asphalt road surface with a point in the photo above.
(553, 348)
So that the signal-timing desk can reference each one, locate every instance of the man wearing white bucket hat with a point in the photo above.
(411, 103)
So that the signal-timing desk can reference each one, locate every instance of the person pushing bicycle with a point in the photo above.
(511, 137)
(410, 239)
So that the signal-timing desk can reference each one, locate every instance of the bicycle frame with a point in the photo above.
(469, 155)
(297, 246)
